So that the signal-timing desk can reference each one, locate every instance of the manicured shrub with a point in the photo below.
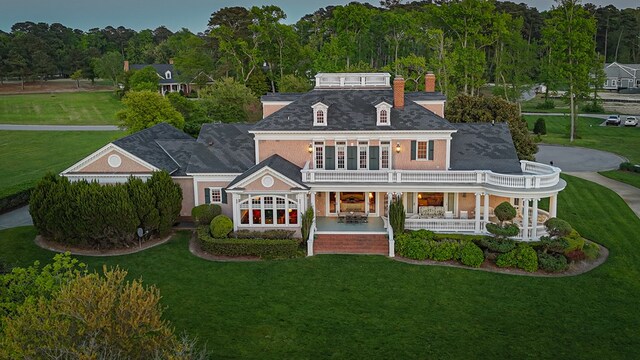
(221, 226)
(557, 227)
(422, 234)
(397, 215)
(471, 254)
(574, 241)
(522, 257)
(411, 247)
(203, 214)
(504, 212)
(591, 250)
(460, 237)
(505, 231)
(576, 255)
(554, 245)
(445, 250)
(267, 234)
(307, 222)
(144, 204)
(540, 127)
(552, 262)
(168, 199)
(262, 248)
(496, 245)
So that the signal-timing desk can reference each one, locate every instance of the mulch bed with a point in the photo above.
(76, 250)
(196, 249)
(574, 269)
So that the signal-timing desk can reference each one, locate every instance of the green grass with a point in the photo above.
(27, 155)
(626, 177)
(77, 108)
(374, 307)
(530, 106)
(620, 140)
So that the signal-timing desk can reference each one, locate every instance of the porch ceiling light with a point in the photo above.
(398, 147)
(310, 149)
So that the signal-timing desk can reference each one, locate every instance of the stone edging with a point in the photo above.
(581, 268)
(196, 250)
(51, 246)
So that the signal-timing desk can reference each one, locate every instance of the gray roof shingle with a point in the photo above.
(351, 110)
(223, 148)
(161, 70)
(277, 163)
(145, 145)
(483, 146)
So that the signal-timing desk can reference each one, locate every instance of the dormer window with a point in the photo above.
(320, 114)
(383, 113)
(167, 75)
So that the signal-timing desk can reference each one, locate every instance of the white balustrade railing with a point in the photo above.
(535, 176)
(453, 225)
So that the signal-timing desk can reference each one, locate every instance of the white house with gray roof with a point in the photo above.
(345, 149)
(622, 76)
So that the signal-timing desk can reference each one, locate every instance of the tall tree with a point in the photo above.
(109, 66)
(143, 109)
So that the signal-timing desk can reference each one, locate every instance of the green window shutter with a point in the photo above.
(374, 161)
(330, 157)
(352, 158)
(224, 196)
(431, 146)
(207, 195)
(414, 147)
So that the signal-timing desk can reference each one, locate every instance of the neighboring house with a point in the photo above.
(622, 76)
(167, 76)
(345, 149)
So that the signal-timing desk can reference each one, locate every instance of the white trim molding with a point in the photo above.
(93, 157)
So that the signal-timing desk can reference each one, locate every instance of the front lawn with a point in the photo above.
(76, 108)
(27, 155)
(627, 177)
(373, 307)
(620, 140)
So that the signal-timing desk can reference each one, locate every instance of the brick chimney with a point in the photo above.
(171, 61)
(398, 92)
(430, 82)
(126, 65)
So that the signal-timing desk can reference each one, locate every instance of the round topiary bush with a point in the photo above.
(203, 214)
(504, 212)
(557, 227)
(503, 231)
(471, 255)
(221, 226)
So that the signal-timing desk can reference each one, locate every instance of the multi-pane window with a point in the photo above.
(424, 150)
(320, 117)
(384, 118)
(215, 195)
(385, 155)
(341, 155)
(363, 154)
(268, 210)
(318, 157)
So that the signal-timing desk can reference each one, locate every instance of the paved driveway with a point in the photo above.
(15, 218)
(59, 127)
(577, 159)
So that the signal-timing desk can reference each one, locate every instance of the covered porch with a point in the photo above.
(372, 225)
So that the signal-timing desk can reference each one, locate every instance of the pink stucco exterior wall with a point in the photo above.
(226, 208)
(403, 159)
(437, 109)
(278, 185)
(295, 151)
(187, 195)
(270, 109)
(101, 165)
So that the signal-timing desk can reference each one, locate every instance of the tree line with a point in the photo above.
(467, 42)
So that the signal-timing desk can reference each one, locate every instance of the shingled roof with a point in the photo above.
(276, 163)
(161, 70)
(146, 145)
(352, 110)
(223, 148)
(484, 146)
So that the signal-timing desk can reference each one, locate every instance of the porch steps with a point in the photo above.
(371, 244)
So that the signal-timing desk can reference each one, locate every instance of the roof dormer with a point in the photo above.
(383, 114)
(167, 75)
(320, 114)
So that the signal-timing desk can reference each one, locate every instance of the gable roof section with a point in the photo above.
(145, 144)
(222, 148)
(286, 169)
(161, 69)
(350, 110)
(96, 155)
(483, 146)
(621, 70)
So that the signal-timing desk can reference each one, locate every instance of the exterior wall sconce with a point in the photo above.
(310, 149)
(398, 147)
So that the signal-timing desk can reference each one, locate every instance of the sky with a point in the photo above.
(192, 14)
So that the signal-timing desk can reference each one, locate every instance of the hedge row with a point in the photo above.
(104, 216)
(14, 201)
(420, 245)
(262, 248)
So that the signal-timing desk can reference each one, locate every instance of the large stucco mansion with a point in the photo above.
(345, 148)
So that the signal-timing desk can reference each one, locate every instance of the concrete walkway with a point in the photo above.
(59, 127)
(16, 218)
(630, 194)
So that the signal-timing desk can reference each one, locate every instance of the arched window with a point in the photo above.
(320, 117)
(383, 117)
(268, 210)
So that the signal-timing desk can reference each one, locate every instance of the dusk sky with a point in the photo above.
(192, 14)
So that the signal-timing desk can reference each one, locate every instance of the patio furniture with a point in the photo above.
(448, 214)
(464, 214)
(355, 218)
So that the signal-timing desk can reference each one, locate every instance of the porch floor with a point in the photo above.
(374, 225)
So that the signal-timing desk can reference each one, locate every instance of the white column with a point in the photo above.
(553, 205)
(313, 203)
(525, 219)
(534, 220)
(448, 155)
(486, 208)
(477, 212)
(236, 211)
